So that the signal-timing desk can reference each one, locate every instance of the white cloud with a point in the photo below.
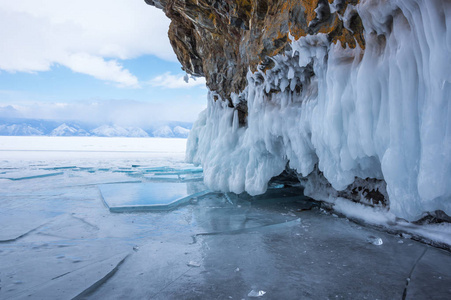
(86, 36)
(99, 68)
(167, 80)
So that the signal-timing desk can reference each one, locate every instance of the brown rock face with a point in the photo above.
(222, 39)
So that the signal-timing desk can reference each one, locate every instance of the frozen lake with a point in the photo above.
(97, 150)
(58, 239)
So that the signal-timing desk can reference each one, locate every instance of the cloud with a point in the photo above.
(9, 111)
(99, 68)
(167, 80)
(87, 36)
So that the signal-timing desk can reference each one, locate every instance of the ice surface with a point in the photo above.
(192, 177)
(172, 173)
(85, 280)
(148, 196)
(155, 169)
(70, 245)
(29, 221)
(59, 168)
(429, 272)
(29, 174)
(382, 113)
(179, 172)
(176, 175)
(163, 177)
(88, 169)
(126, 171)
(183, 174)
(191, 170)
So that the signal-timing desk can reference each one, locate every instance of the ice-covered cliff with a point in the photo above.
(353, 96)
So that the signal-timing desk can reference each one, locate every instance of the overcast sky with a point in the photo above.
(61, 53)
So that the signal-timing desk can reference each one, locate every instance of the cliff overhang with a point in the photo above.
(223, 39)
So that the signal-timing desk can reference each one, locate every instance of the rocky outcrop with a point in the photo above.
(222, 39)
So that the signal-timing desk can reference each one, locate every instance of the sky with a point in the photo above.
(91, 59)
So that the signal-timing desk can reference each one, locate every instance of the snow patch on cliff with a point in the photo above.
(382, 113)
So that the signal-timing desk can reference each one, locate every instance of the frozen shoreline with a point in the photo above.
(58, 239)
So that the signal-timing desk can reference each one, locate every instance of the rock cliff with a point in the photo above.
(222, 39)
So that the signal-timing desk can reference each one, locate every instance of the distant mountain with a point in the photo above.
(66, 130)
(181, 132)
(19, 126)
(19, 129)
(163, 131)
(118, 131)
(24, 127)
(136, 132)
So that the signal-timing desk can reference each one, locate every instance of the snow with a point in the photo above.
(86, 151)
(382, 113)
(81, 144)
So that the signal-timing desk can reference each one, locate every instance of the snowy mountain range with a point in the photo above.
(116, 131)
(66, 130)
(24, 127)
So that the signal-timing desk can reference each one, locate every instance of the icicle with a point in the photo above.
(290, 72)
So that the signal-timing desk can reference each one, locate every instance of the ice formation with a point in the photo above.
(383, 112)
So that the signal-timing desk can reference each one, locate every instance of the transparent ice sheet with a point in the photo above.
(146, 196)
(29, 174)
(181, 171)
(163, 178)
(153, 169)
(59, 168)
(192, 177)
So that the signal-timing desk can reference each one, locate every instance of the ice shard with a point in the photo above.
(29, 174)
(148, 196)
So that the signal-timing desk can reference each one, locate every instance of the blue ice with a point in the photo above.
(29, 175)
(127, 197)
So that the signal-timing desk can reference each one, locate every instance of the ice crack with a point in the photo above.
(404, 294)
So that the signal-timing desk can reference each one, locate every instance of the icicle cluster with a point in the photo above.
(382, 113)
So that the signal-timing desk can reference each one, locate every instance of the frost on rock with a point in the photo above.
(335, 114)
